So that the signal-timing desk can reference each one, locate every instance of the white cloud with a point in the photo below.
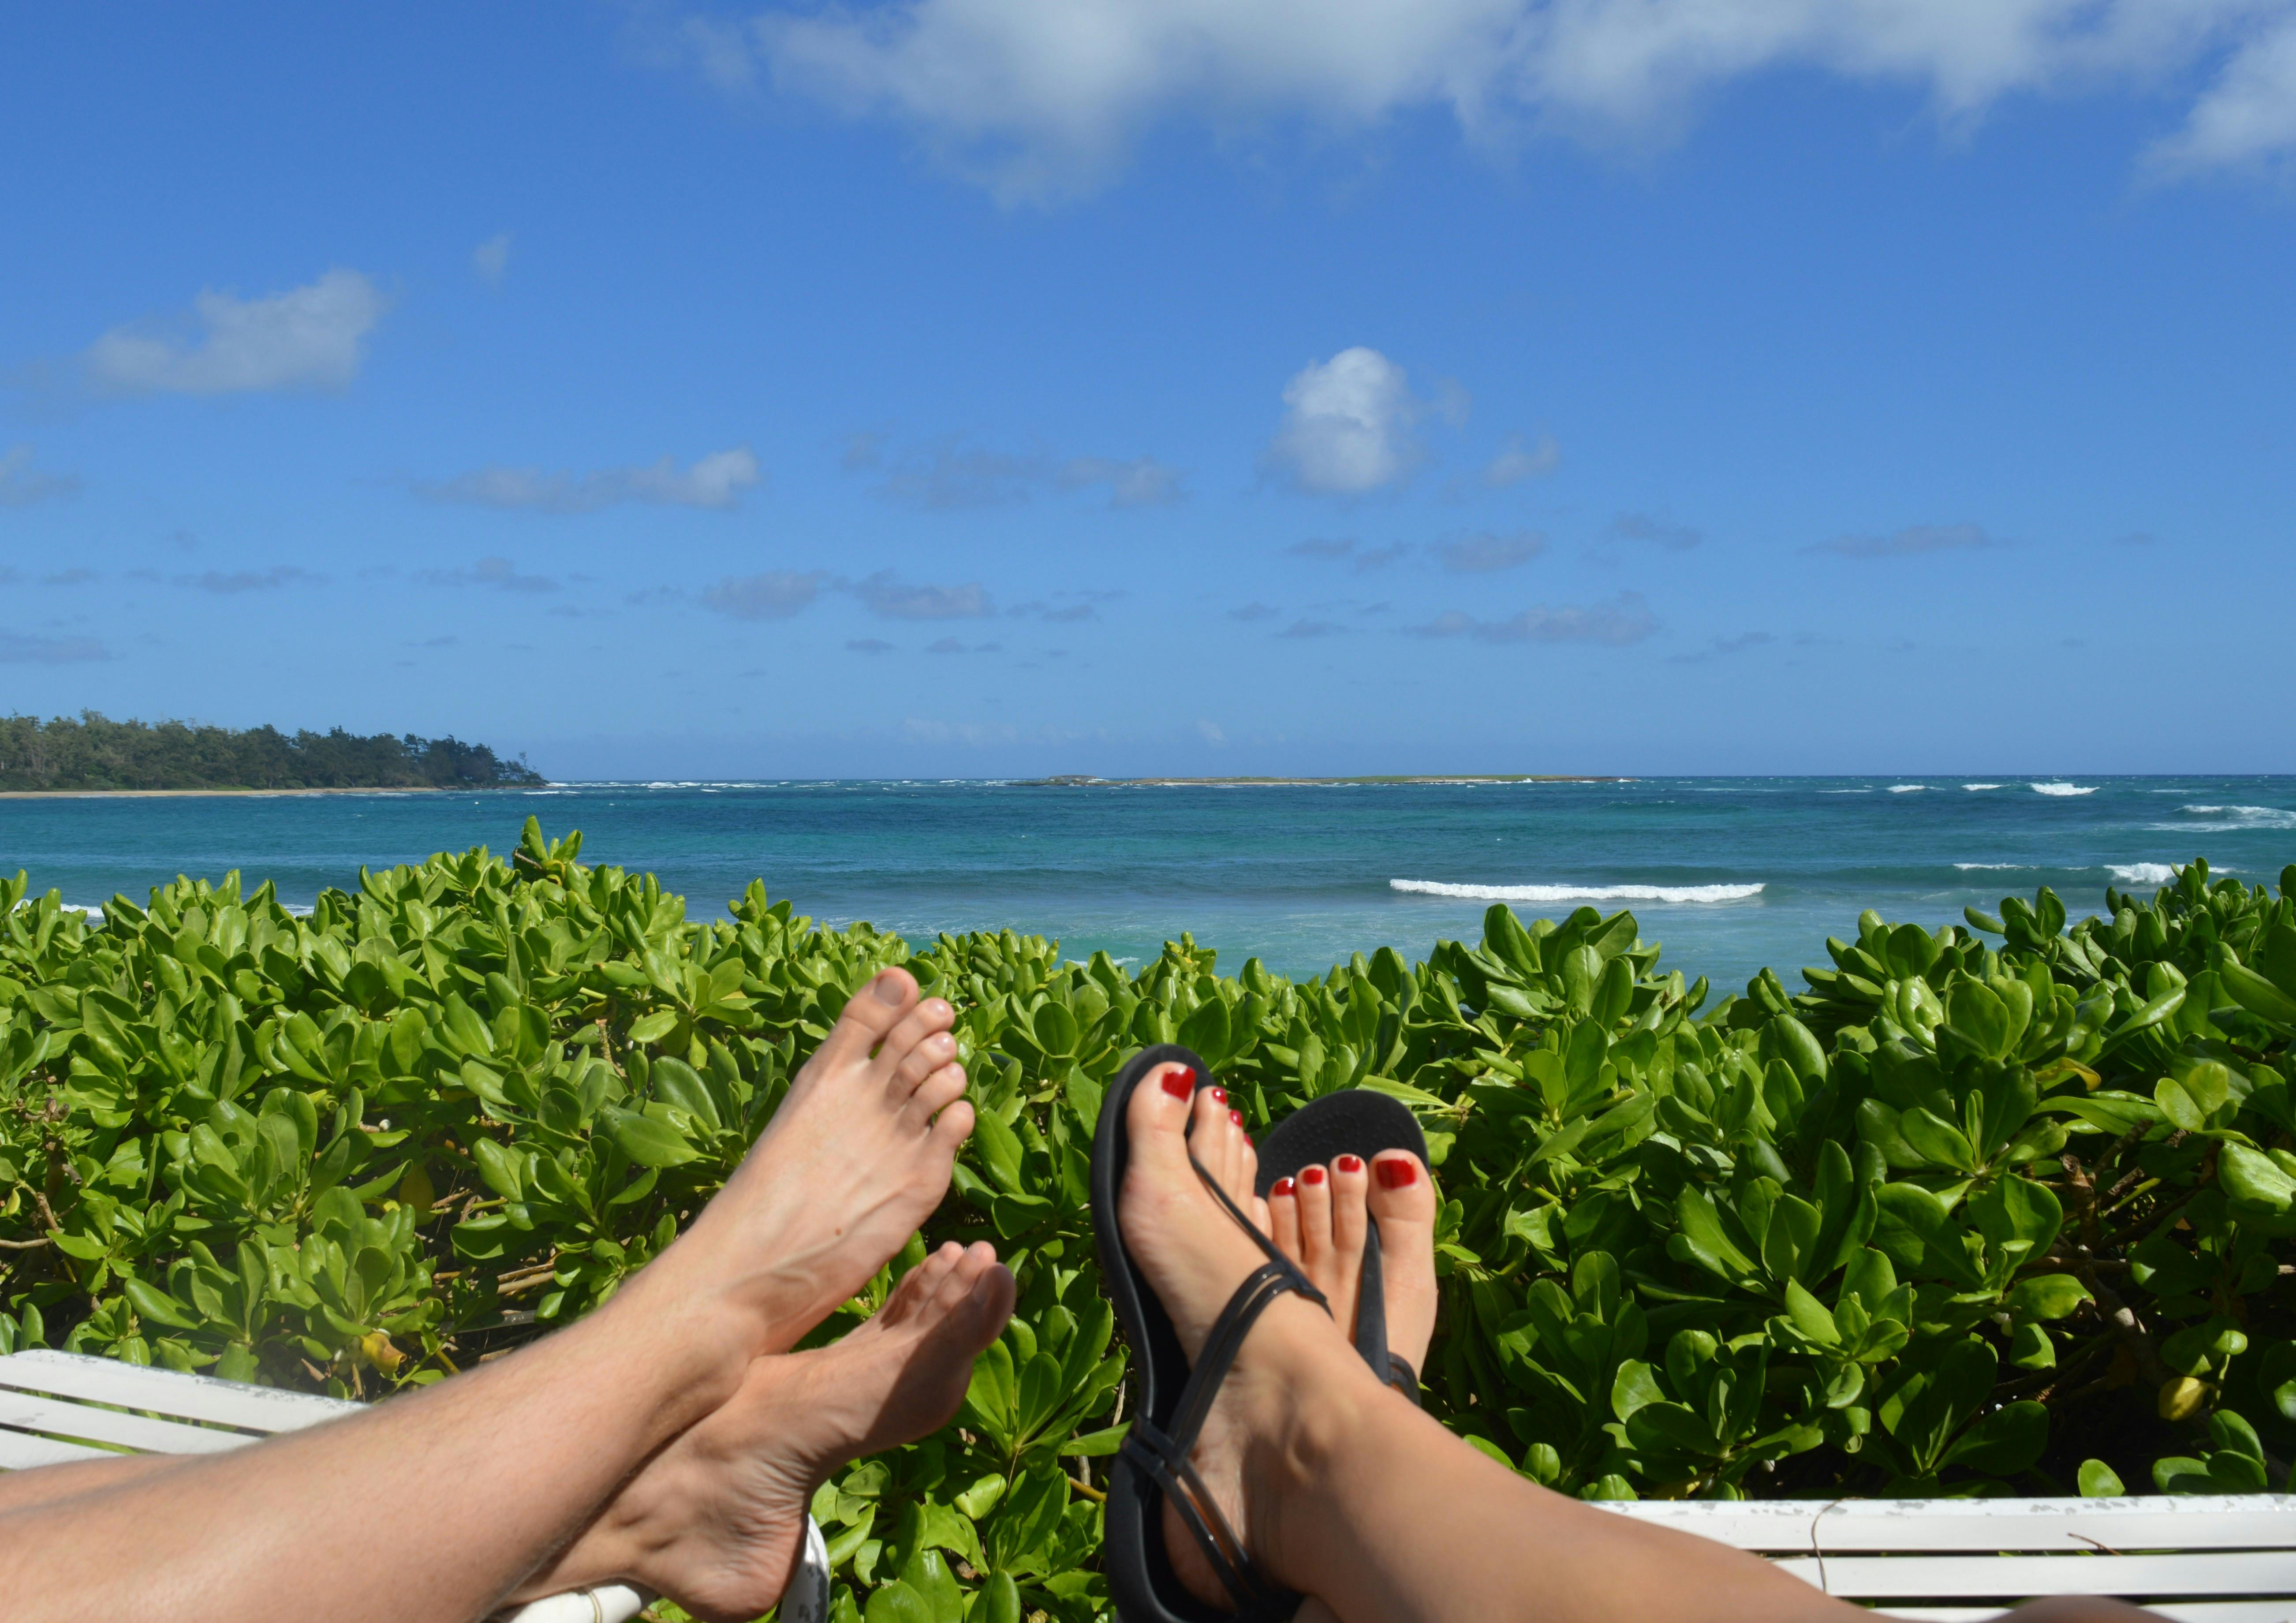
(310, 336)
(1913, 538)
(1485, 552)
(1625, 618)
(2248, 115)
(491, 258)
(17, 649)
(500, 574)
(1518, 461)
(1041, 99)
(21, 484)
(251, 580)
(1643, 526)
(1347, 425)
(713, 481)
(774, 594)
(881, 594)
(947, 473)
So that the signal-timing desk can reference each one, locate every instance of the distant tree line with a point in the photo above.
(93, 751)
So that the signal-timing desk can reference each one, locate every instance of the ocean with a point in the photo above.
(1730, 874)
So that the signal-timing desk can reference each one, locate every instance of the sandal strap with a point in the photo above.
(1403, 1378)
(1164, 1456)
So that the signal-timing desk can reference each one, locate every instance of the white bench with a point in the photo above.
(56, 1407)
(2197, 1559)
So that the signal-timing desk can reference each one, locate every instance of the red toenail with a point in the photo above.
(1398, 1175)
(1220, 1096)
(1282, 1186)
(1237, 1117)
(1350, 1163)
(1179, 1083)
(1313, 1174)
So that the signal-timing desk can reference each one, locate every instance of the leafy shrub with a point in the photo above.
(1958, 1219)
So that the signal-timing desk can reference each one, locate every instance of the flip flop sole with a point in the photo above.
(1139, 1569)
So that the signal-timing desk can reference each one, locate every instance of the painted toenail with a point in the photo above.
(1179, 1083)
(888, 989)
(1282, 1186)
(1397, 1173)
(1237, 1117)
(1312, 1176)
(1220, 1096)
(1350, 1163)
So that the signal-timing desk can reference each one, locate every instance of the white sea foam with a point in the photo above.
(2064, 789)
(1907, 789)
(1845, 792)
(1578, 893)
(1973, 787)
(2254, 816)
(1969, 866)
(2143, 873)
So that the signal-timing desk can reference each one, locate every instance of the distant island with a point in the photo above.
(90, 753)
(1077, 781)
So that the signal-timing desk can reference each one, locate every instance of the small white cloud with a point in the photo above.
(881, 594)
(1486, 553)
(1642, 527)
(1210, 732)
(1519, 460)
(1914, 539)
(715, 481)
(1348, 425)
(491, 258)
(310, 336)
(234, 581)
(17, 649)
(1141, 482)
(499, 574)
(774, 594)
(21, 484)
(1625, 618)
(2244, 118)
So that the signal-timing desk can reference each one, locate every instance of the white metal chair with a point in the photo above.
(57, 1406)
(2198, 1559)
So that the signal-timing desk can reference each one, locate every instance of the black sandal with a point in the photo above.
(1172, 1398)
(1361, 1123)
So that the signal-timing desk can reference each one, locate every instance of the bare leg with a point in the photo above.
(435, 1504)
(715, 1521)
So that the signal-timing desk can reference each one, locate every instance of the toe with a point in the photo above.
(919, 1026)
(1401, 1201)
(1283, 1217)
(1350, 1180)
(1156, 1117)
(872, 1012)
(935, 1093)
(932, 1052)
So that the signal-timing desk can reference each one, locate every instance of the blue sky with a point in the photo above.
(978, 387)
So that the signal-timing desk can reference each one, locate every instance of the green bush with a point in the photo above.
(1960, 1218)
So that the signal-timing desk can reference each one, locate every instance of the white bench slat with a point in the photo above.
(2199, 1521)
(2211, 1521)
(20, 1451)
(166, 1391)
(59, 1418)
(1978, 1578)
(2181, 1611)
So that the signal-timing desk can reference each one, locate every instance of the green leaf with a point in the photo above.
(897, 1602)
(2254, 1179)
(999, 1149)
(2046, 1297)
(646, 1140)
(1055, 1031)
(675, 1082)
(2098, 1481)
(652, 1029)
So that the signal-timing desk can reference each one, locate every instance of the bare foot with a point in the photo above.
(858, 1156)
(715, 1521)
(1319, 1220)
(1195, 1256)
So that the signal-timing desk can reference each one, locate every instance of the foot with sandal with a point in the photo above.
(1277, 1299)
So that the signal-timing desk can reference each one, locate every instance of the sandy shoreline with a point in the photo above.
(162, 794)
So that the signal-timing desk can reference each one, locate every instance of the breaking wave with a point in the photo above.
(2143, 873)
(1969, 866)
(2064, 789)
(1907, 789)
(1578, 893)
(1973, 787)
(2248, 817)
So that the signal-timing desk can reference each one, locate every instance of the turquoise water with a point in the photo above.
(1730, 873)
